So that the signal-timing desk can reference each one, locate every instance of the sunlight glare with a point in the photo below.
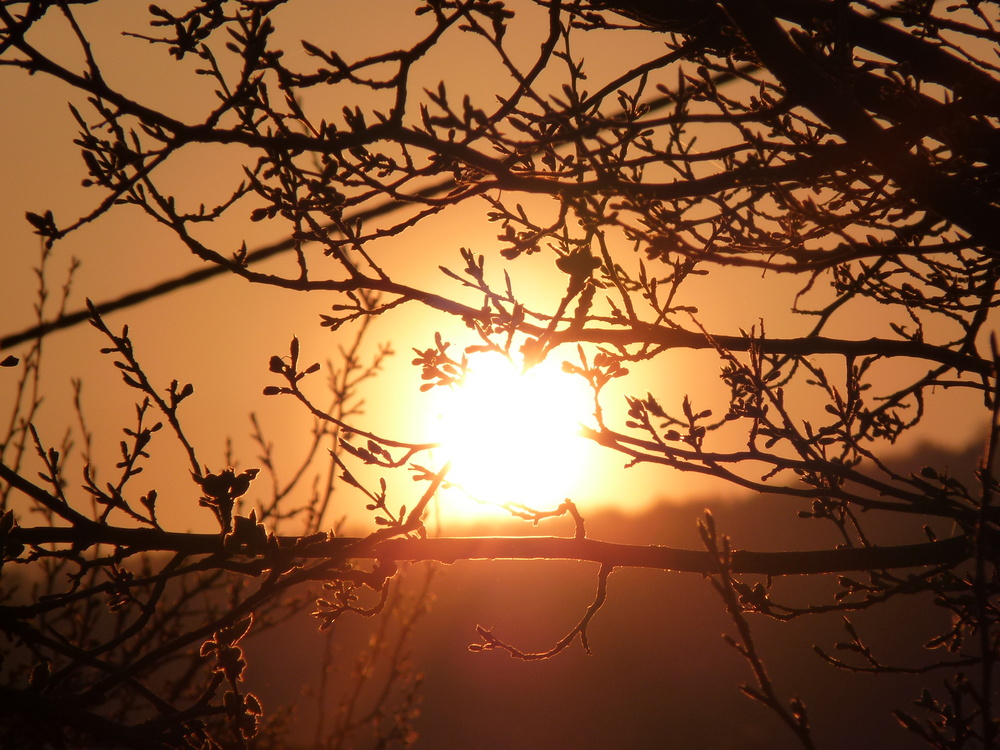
(513, 437)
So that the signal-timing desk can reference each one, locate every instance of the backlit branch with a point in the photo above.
(950, 551)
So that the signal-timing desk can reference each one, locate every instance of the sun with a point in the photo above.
(512, 437)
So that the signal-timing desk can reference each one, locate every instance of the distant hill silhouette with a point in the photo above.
(660, 674)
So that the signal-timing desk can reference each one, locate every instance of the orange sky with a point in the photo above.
(220, 334)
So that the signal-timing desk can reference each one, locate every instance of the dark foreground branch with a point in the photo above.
(450, 550)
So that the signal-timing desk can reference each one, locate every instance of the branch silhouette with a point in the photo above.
(631, 204)
(947, 552)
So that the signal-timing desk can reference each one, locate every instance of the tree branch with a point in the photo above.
(949, 551)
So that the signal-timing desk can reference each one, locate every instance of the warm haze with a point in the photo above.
(554, 275)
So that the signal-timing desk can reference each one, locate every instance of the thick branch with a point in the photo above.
(830, 100)
(449, 550)
(807, 346)
(807, 83)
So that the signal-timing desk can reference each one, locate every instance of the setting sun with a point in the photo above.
(512, 437)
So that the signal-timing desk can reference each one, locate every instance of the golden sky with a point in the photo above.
(220, 334)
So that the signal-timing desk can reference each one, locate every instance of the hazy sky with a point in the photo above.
(220, 334)
(660, 673)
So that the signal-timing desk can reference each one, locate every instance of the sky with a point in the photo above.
(220, 334)
(658, 658)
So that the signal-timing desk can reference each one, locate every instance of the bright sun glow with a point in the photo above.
(512, 437)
